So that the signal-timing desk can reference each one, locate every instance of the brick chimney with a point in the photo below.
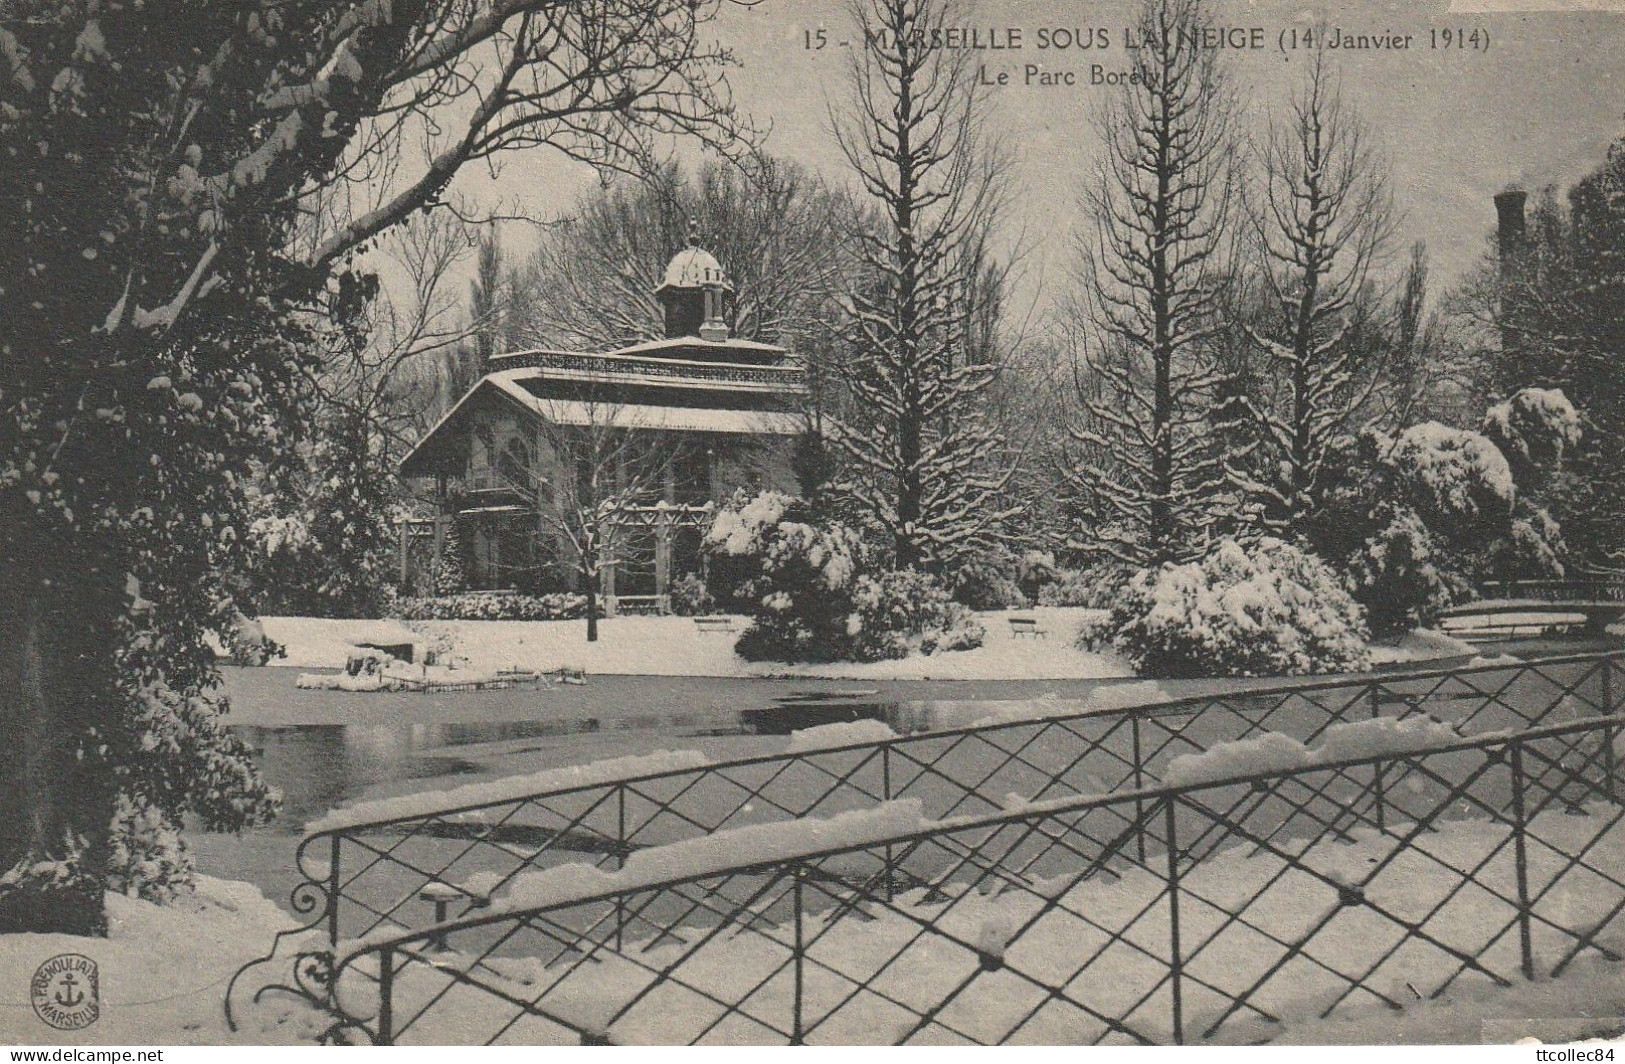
(1511, 229)
(1512, 236)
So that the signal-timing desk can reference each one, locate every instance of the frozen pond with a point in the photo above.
(324, 749)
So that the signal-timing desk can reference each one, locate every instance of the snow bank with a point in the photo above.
(1421, 644)
(320, 643)
(510, 788)
(1275, 752)
(844, 733)
(162, 972)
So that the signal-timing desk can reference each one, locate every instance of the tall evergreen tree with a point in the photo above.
(1319, 219)
(1154, 269)
(924, 463)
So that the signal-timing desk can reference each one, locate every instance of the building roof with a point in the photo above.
(510, 384)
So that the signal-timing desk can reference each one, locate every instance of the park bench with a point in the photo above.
(1027, 626)
(714, 624)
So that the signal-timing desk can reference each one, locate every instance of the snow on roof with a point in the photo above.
(694, 267)
(649, 417)
(650, 346)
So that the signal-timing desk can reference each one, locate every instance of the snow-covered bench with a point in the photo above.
(714, 624)
(1027, 626)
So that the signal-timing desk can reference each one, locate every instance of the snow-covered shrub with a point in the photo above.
(1269, 609)
(147, 857)
(814, 594)
(1416, 520)
(1454, 476)
(492, 606)
(899, 613)
(51, 894)
(1096, 587)
(987, 582)
(690, 597)
(247, 644)
(1533, 426)
(1405, 573)
(1036, 570)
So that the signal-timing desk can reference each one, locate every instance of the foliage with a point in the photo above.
(491, 606)
(906, 611)
(1556, 297)
(148, 857)
(690, 597)
(1267, 609)
(814, 592)
(1418, 518)
(1096, 587)
(988, 581)
(182, 214)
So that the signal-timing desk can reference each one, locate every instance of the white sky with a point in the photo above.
(1539, 107)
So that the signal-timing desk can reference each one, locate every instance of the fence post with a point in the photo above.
(1139, 782)
(796, 1018)
(386, 991)
(885, 790)
(333, 893)
(620, 863)
(1176, 967)
(1378, 786)
(1608, 732)
(1521, 860)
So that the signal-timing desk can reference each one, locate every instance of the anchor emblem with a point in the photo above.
(65, 995)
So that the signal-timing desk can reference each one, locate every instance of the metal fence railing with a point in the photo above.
(405, 871)
(1214, 910)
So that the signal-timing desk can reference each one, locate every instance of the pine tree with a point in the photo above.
(925, 466)
(1153, 275)
(451, 569)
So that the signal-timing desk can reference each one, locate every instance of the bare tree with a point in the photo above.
(924, 463)
(597, 472)
(1154, 268)
(774, 227)
(1320, 221)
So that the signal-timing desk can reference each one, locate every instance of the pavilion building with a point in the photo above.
(701, 413)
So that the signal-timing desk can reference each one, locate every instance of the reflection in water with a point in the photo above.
(322, 766)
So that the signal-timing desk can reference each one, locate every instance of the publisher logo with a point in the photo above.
(66, 992)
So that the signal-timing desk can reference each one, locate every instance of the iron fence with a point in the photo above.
(406, 871)
(1213, 910)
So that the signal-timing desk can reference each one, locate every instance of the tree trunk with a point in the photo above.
(57, 802)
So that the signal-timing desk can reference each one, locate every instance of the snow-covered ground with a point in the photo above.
(162, 972)
(675, 646)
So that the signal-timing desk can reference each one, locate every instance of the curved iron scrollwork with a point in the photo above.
(311, 895)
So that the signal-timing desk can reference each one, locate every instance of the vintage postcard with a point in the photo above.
(751, 522)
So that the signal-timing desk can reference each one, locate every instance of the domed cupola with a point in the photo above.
(695, 294)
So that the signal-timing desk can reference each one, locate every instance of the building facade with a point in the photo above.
(654, 435)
